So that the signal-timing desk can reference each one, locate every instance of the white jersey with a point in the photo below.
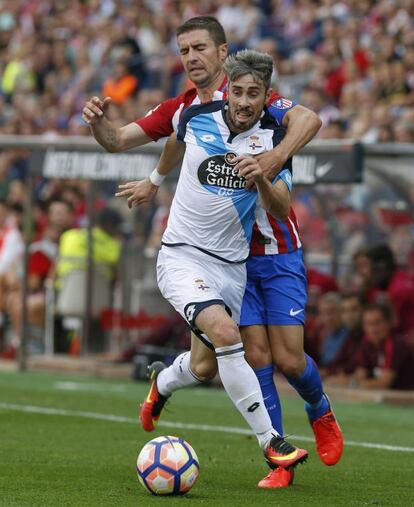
(212, 211)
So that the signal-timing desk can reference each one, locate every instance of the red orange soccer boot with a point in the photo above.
(153, 404)
(279, 453)
(278, 478)
(328, 438)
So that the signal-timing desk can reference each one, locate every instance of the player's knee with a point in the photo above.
(258, 357)
(224, 334)
(291, 365)
(204, 370)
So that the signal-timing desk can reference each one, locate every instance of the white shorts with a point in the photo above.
(192, 280)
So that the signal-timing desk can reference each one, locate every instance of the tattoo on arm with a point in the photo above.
(111, 138)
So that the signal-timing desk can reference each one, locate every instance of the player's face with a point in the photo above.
(376, 327)
(201, 58)
(247, 98)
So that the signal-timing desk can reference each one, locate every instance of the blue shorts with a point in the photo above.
(275, 291)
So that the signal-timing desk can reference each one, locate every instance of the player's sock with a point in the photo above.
(309, 387)
(270, 396)
(243, 388)
(177, 375)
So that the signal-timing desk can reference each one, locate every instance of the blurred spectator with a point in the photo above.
(335, 129)
(391, 286)
(71, 274)
(73, 246)
(121, 85)
(318, 284)
(351, 319)
(361, 268)
(11, 241)
(11, 251)
(329, 334)
(383, 361)
(240, 21)
(41, 265)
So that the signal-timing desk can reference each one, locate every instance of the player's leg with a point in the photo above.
(194, 285)
(242, 386)
(189, 369)
(285, 299)
(259, 356)
(256, 341)
(302, 373)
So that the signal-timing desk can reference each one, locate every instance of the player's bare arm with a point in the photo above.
(274, 198)
(113, 138)
(140, 192)
(301, 125)
(383, 381)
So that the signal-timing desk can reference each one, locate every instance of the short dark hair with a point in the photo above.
(352, 295)
(109, 217)
(384, 310)
(361, 252)
(209, 23)
(66, 203)
(382, 254)
(248, 61)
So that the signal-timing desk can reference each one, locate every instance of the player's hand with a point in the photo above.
(137, 192)
(271, 165)
(95, 109)
(250, 169)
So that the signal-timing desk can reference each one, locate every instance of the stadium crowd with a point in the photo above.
(350, 61)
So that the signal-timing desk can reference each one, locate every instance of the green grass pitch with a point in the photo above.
(74, 455)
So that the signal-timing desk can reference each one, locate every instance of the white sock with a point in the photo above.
(243, 388)
(177, 376)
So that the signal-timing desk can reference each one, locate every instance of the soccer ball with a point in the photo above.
(167, 466)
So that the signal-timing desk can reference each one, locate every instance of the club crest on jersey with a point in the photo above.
(218, 175)
(282, 103)
(201, 285)
(254, 145)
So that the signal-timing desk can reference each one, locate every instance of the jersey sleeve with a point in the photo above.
(278, 106)
(158, 123)
(286, 176)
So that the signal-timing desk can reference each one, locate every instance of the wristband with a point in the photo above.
(156, 178)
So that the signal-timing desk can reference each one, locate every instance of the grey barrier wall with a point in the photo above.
(327, 173)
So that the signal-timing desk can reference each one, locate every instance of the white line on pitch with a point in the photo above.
(89, 386)
(176, 425)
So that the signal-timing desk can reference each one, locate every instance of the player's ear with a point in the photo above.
(223, 52)
(269, 94)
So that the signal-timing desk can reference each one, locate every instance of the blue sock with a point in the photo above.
(309, 387)
(270, 396)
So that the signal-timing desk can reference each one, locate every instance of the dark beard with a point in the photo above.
(235, 126)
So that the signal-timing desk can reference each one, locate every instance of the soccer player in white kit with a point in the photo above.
(201, 265)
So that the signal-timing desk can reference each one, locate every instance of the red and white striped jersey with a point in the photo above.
(271, 236)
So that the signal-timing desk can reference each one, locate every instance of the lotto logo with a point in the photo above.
(253, 407)
(189, 312)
